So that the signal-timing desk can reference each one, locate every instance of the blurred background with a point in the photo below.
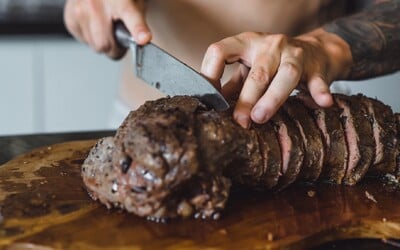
(51, 83)
(48, 81)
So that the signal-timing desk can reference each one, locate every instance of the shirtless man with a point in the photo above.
(279, 45)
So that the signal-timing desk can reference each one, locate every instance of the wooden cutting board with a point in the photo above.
(43, 204)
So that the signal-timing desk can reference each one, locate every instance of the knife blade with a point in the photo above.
(171, 76)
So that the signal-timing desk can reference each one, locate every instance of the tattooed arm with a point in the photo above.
(373, 36)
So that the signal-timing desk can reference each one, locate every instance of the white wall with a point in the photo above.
(385, 88)
(53, 84)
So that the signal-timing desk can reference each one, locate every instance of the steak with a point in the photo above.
(292, 148)
(384, 130)
(312, 140)
(174, 157)
(328, 122)
(359, 136)
(271, 153)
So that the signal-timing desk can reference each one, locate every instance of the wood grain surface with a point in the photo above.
(43, 205)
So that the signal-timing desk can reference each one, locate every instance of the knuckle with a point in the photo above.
(298, 52)
(280, 39)
(259, 76)
(216, 49)
(78, 11)
(71, 12)
(91, 3)
(290, 68)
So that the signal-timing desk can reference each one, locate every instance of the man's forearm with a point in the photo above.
(374, 39)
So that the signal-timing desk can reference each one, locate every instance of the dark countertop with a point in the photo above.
(15, 145)
(12, 146)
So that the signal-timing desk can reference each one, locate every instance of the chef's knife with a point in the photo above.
(166, 73)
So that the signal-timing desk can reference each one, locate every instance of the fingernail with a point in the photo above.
(143, 36)
(259, 115)
(243, 121)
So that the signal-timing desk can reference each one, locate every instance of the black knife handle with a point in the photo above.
(122, 35)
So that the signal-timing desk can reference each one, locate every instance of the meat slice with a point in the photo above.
(271, 153)
(329, 124)
(312, 139)
(292, 148)
(385, 135)
(359, 137)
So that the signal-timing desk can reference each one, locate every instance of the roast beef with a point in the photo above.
(312, 140)
(357, 126)
(174, 157)
(328, 122)
(292, 149)
(271, 153)
(384, 130)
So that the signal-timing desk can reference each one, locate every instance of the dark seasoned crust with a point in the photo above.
(227, 146)
(99, 175)
(165, 173)
(359, 137)
(292, 148)
(175, 158)
(312, 139)
(271, 154)
(331, 128)
(385, 135)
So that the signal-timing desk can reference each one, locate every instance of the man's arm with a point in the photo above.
(374, 38)
(272, 65)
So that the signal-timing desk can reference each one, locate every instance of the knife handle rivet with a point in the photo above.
(158, 85)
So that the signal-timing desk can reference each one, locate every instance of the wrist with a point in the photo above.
(337, 51)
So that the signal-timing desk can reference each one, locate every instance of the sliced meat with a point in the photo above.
(312, 139)
(292, 148)
(385, 135)
(175, 158)
(224, 143)
(329, 124)
(359, 137)
(271, 153)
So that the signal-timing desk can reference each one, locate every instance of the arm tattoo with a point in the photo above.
(374, 38)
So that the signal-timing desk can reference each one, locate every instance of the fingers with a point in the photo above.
(319, 91)
(72, 11)
(98, 29)
(91, 22)
(272, 67)
(133, 17)
(229, 50)
(285, 81)
(257, 82)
